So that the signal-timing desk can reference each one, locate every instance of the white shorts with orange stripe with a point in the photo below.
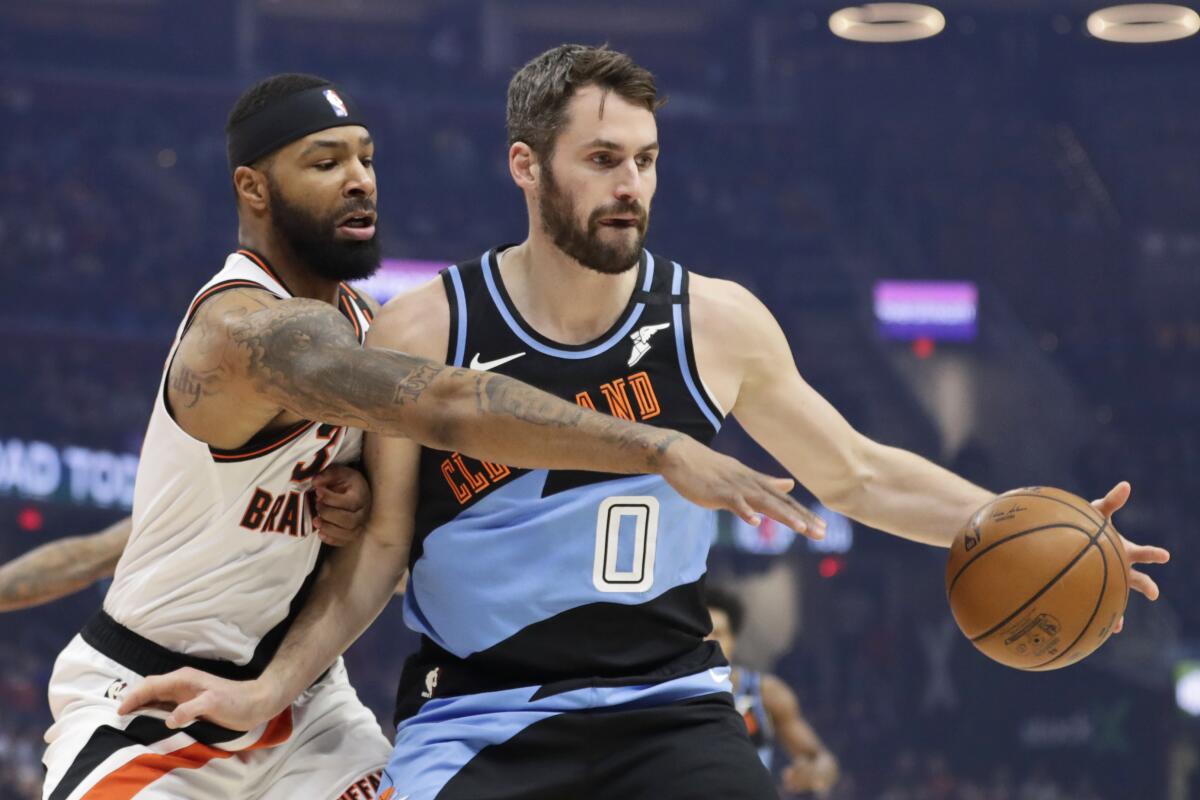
(326, 746)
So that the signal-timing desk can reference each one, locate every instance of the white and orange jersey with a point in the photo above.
(222, 540)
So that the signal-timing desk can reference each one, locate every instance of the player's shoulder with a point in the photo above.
(416, 321)
(726, 306)
(721, 293)
(217, 310)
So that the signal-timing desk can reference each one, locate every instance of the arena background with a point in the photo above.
(1055, 174)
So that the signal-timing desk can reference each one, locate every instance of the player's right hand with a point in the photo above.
(190, 694)
(712, 480)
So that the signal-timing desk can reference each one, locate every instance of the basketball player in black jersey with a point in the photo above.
(562, 614)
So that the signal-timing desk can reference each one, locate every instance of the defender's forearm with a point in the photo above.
(496, 418)
(356, 583)
(306, 359)
(486, 416)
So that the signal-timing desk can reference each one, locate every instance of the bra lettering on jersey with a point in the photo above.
(286, 512)
(282, 513)
(622, 396)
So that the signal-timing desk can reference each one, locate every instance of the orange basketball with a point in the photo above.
(1037, 579)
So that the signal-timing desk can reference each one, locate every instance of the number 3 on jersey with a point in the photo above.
(626, 537)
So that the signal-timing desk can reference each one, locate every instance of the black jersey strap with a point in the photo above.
(653, 298)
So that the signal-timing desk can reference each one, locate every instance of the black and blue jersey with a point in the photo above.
(559, 579)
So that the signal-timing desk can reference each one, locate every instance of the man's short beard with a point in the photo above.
(558, 221)
(314, 242)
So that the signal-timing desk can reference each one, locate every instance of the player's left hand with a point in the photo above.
(1134, 553)
(189, 694)
(343, 504)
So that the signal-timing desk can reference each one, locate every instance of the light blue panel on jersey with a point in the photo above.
(434, 744)
(515, 558)
(460, 305)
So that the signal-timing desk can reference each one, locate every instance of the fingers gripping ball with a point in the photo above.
(1037, 579)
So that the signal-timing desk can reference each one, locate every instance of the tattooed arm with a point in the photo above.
(304, 357)
(250, 357)
(61, 567)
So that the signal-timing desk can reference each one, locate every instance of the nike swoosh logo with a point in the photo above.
(719, 674)
(484, 366)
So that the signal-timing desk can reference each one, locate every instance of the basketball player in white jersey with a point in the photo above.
(265, 386)
(583, 151)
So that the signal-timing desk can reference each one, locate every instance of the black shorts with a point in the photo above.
(696, 748)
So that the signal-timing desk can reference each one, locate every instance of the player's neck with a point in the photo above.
(562, 299)
(297, 278)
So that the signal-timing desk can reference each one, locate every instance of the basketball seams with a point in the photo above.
(1046, 588)
(1009, 538)
(1092, 618)
(1061, 502)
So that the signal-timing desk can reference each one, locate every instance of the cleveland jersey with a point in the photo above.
(222, 540)
(557, 578)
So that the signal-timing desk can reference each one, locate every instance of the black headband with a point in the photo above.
(291, 118)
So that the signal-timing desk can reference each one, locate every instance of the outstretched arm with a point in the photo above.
(813, 767)
(62, 567)
(303, 357)
(884, 487)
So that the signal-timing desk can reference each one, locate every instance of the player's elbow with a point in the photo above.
(850, 489)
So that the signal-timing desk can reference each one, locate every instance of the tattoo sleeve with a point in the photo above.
(304, 356)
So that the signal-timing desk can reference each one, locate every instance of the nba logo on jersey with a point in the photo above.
(339, 107)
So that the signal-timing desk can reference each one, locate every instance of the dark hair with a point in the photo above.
(539, 92)
(268, 91)
(724, 600)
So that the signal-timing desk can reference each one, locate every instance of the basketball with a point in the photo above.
(1037, 579)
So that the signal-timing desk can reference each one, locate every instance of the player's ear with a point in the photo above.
(522, 165)
(251, 188)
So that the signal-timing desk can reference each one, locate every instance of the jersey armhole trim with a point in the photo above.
(687, 357)
(455, 294)
(259, 444)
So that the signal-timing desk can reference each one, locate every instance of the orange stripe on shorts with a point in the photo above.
(138, 773)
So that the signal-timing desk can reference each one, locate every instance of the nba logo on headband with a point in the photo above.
(339, 107)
